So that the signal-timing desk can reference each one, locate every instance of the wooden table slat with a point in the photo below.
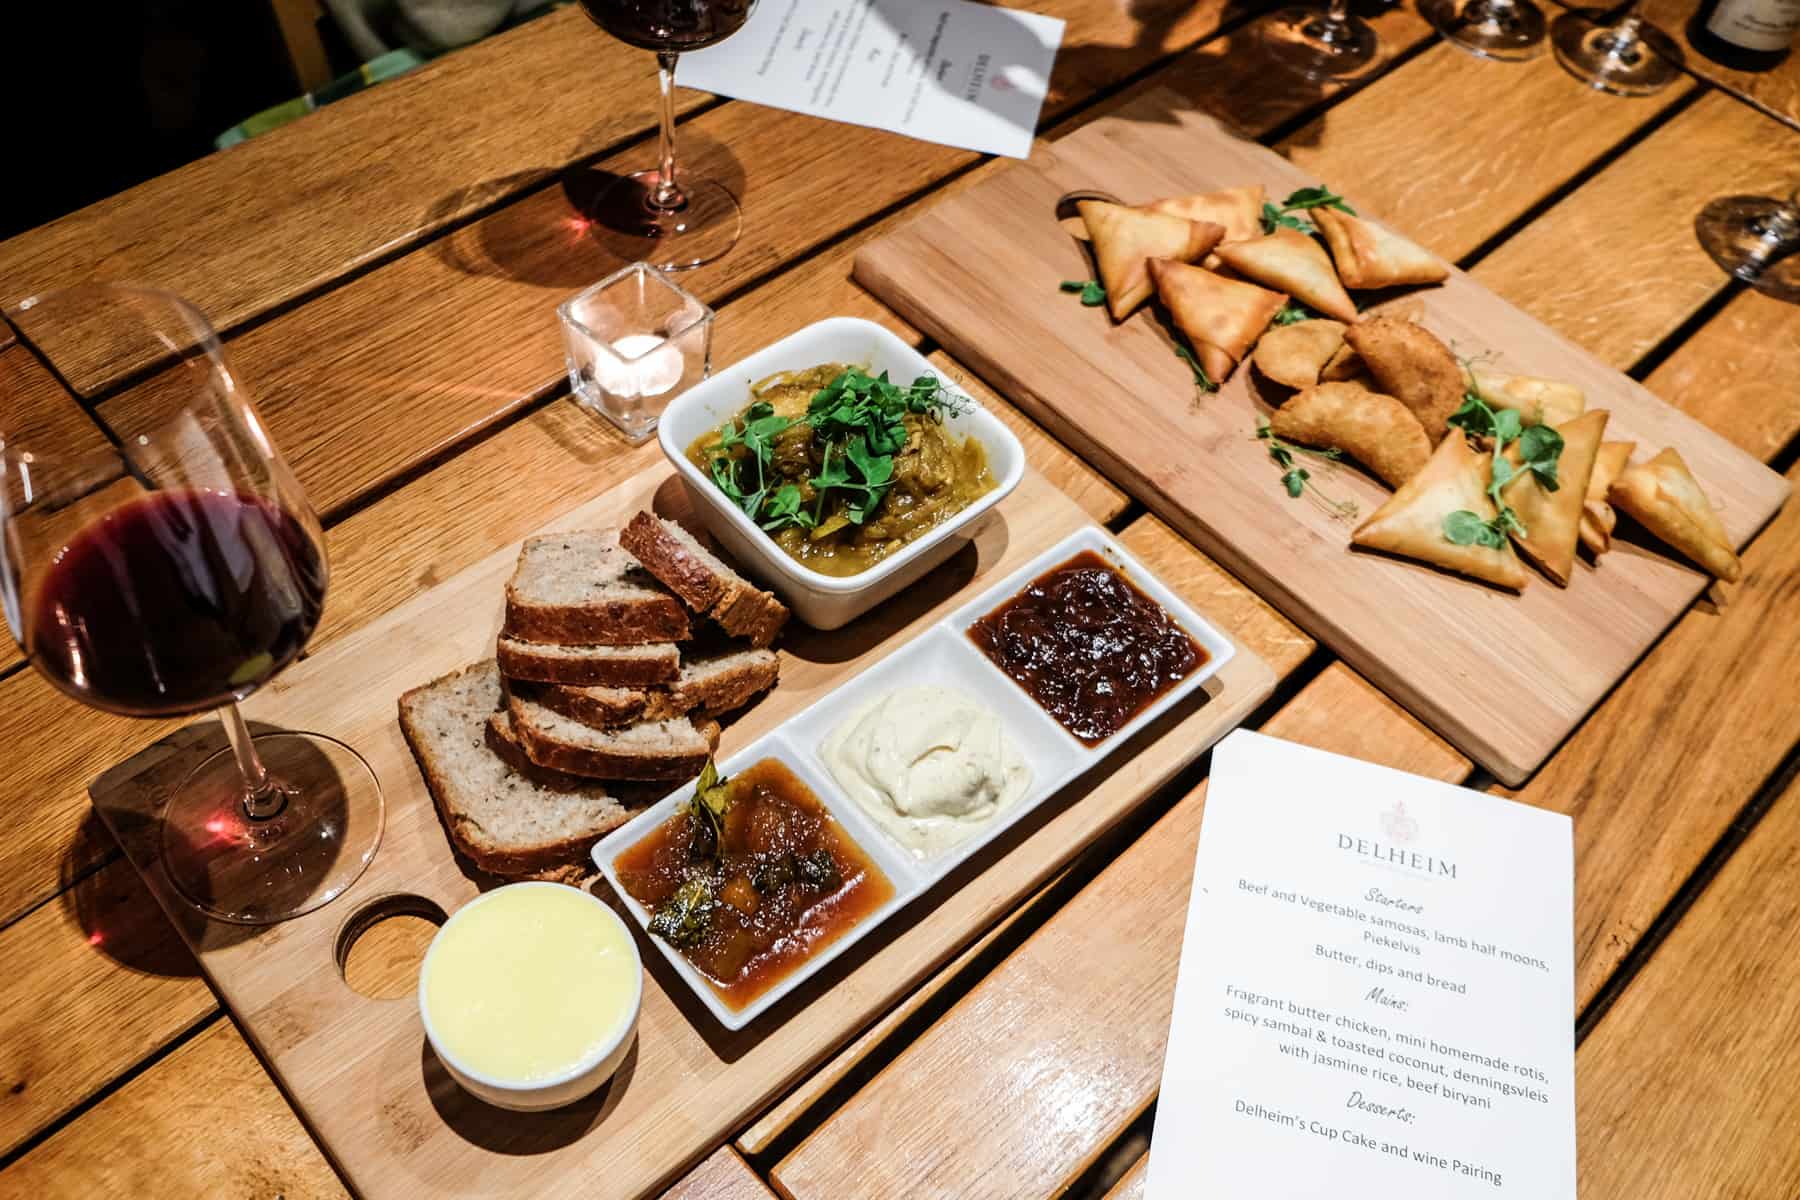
(1776, 92)
(723, 1176)
(1131, 1184)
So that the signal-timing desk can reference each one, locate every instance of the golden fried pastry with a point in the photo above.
(1369, 256)
(1125, 238)
(1552, 519)
(1222, 318)
(1597, 516)
(1411, 523)
(1537, 401)
(1377, 431)
(1238, 209)
(1410, 364)
(1291, 262)
(1343, 365)
(1665, 498)
(1295, 354)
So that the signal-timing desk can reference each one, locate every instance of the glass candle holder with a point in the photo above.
(633, 342)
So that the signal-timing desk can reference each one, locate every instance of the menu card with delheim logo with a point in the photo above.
(1376, 994)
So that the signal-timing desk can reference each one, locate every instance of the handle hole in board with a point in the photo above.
(381, 946)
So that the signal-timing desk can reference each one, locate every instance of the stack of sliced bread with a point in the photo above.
(620, 650)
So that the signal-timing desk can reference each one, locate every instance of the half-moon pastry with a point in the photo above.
(1377, 431)
(1410, 364)
(1295, 354)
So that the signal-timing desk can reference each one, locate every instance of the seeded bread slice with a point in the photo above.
(694, 573)
(714, 684)
(583, 589)
(507, 821)
(670, 750)
(581, 666)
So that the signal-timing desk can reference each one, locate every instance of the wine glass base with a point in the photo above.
(259, 872)
(1745, 236)
(1309, 43)
(704, 228)
(1635, 60)
(1506, 30)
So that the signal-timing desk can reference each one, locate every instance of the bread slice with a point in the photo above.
(694, 573)
(579, 666)
(506, 820)
(714, 684)
(670, 750)
(581, 588)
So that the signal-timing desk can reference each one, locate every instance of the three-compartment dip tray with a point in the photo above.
(943, 655)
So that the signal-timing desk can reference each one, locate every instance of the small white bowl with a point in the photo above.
(826, 601)
(567, 1086)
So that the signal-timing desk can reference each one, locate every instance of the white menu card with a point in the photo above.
(948, 71)
(1376, 993)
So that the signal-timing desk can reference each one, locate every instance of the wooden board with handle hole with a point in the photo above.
(359, 1068)
(1504, 676)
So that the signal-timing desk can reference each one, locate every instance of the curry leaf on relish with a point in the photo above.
(682, 919)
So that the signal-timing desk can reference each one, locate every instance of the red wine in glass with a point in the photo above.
(667, 218)
(177, 602)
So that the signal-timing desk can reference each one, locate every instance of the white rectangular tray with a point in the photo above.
(942, 655)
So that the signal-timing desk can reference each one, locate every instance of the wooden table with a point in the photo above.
(386, 270)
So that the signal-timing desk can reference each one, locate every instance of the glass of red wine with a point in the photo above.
(671, 220)
(160, 560)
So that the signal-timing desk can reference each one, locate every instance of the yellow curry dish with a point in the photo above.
(843, 468)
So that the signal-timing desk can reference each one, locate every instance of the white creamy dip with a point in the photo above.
(929, 764)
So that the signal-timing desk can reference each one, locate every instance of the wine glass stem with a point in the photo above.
(262, 798)
(1338, 13)
(667, 194)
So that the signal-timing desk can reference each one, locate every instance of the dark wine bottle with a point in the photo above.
(1746, 35)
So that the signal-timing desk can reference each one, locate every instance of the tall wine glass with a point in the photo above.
(167, 564)
(671, 219)
(1508, 30)
(1628, 57)
(1323, 45)
(1756, 239)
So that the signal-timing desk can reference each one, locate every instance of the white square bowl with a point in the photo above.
(826, 601)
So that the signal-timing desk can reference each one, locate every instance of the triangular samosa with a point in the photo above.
(1597, 516)
(1125, 238)
(1410, 364)
(1222, 314)
(1369, 256)
(1411, 523)
(1537, 401)
(1238, 209)
(1377, 431)
(1552, 520)
(1291, 262)
(1664, 497)
(1294, 355)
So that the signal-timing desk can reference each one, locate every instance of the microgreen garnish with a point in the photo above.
(1294, 312)
(1296, 478)
(1540, 449)
(1092, 294)
(1202, 380)
(1280, 216)
(858, 419)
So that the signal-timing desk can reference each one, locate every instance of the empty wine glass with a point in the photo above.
(667, 218)
(1329, 44)
(1508, 30)
(1757, 240)
(168, 564)
(1629, 57)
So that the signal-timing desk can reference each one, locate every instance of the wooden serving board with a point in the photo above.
(1505, 677)
(360, 1069)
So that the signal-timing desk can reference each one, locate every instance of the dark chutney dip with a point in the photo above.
(1088, 646)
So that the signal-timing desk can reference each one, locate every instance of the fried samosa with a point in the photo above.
(1291, 262)
(1294, 355)
(1552, 519)
(1369, 256)
(1410, 364)
(1665, 498)
(1537, 401)
(1411, 523)
(1377, 431)
(1597, 516)
(1125, 238)
(1221, 317)
(1238, 209)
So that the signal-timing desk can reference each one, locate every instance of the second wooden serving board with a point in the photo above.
(1505, 677)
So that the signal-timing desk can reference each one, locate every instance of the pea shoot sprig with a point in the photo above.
(1092, 294)
(1203, 383)
(1281, 216)
(1539, 448)
(1296, 478)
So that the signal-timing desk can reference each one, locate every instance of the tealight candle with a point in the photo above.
(617, 367)
(630, 376)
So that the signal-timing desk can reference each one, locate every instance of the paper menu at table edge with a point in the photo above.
(1250, 769)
